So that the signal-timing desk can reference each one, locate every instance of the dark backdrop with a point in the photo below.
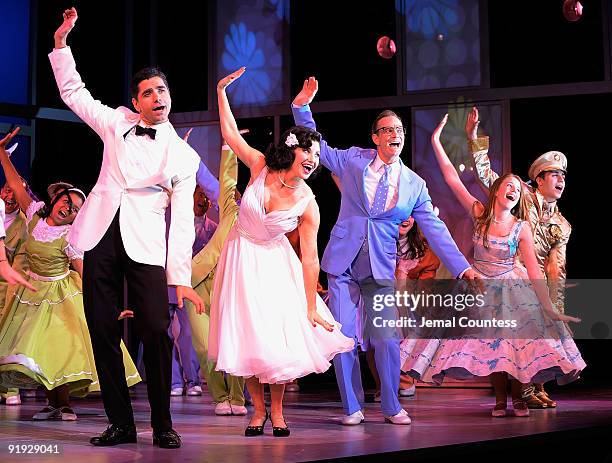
(528, 46)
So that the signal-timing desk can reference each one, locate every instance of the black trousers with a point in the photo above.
(104, 269)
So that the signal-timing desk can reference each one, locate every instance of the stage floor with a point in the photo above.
(441, 417)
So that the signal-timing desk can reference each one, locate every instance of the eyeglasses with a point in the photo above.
(391, 130)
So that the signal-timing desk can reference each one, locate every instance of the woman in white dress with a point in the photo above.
(267, 322)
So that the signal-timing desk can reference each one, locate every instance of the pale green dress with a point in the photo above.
(44, 338)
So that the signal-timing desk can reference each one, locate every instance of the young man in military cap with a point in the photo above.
(551, 231)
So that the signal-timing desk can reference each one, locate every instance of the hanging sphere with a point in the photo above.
(572, 10)
(386, 47)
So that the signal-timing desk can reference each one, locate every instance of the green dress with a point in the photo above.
(44, 338)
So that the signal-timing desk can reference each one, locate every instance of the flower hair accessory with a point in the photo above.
(291, 140)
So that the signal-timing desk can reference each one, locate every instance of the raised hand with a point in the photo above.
(438, 130)
(308, 92)
(229, 79)
(70, 18)
(186, 136)
(315, 319)
(8, 137)
(127, 313)
(472, 123)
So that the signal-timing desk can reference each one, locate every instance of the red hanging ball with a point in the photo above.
(386, 47)
(572, 10)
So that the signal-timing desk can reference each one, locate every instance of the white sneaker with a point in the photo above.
(194, 390)
(223, 408)
(67, 414)
(176, 391)
(13, 400)
(28, 393)
(353, 419)
(408, 392)
(48, 413)
(401, 418)
(238, 410)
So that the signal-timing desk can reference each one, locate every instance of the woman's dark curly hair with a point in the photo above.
(281, 156)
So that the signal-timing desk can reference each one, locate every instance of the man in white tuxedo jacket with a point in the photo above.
(121, 227)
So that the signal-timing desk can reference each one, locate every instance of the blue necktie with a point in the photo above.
(380, 200)
(382, 191)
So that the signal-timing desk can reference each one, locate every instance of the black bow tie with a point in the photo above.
(145, 131)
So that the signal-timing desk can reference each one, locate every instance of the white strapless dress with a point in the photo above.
(258, 322)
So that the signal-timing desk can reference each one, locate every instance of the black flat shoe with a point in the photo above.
(252, 431)
(277, 431)
(167, 439)
(114, 435)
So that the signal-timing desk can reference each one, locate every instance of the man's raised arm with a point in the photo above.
(71, 87)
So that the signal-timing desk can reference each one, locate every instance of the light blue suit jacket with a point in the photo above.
(355, 222)
(208, 182)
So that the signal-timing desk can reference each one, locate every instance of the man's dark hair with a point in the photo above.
(385, 113)
(144, 74)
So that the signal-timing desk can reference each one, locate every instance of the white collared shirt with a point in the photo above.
(144, 156)
(10, 218)
(373, 173)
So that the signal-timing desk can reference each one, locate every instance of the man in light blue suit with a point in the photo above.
(378, 192)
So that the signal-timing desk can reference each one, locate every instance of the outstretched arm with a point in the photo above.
(70, 18)
(12, 176)
(332, 158)
(479, 148)
(448, 170)
(253, 158)
(308, 229)
(308, 92)
(208, 183)
(71, 87)
(7, 273)
(204, 178)
(537, 277)
(205, 261)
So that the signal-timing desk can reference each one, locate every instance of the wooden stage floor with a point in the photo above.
(449, 419)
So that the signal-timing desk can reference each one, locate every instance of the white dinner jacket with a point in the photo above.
(143, 203)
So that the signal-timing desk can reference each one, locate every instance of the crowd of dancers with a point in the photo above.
(248, 299)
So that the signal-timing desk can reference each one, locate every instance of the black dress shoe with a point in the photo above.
(115, 434)
(280, 432)
(252, 431)
(167, 439)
